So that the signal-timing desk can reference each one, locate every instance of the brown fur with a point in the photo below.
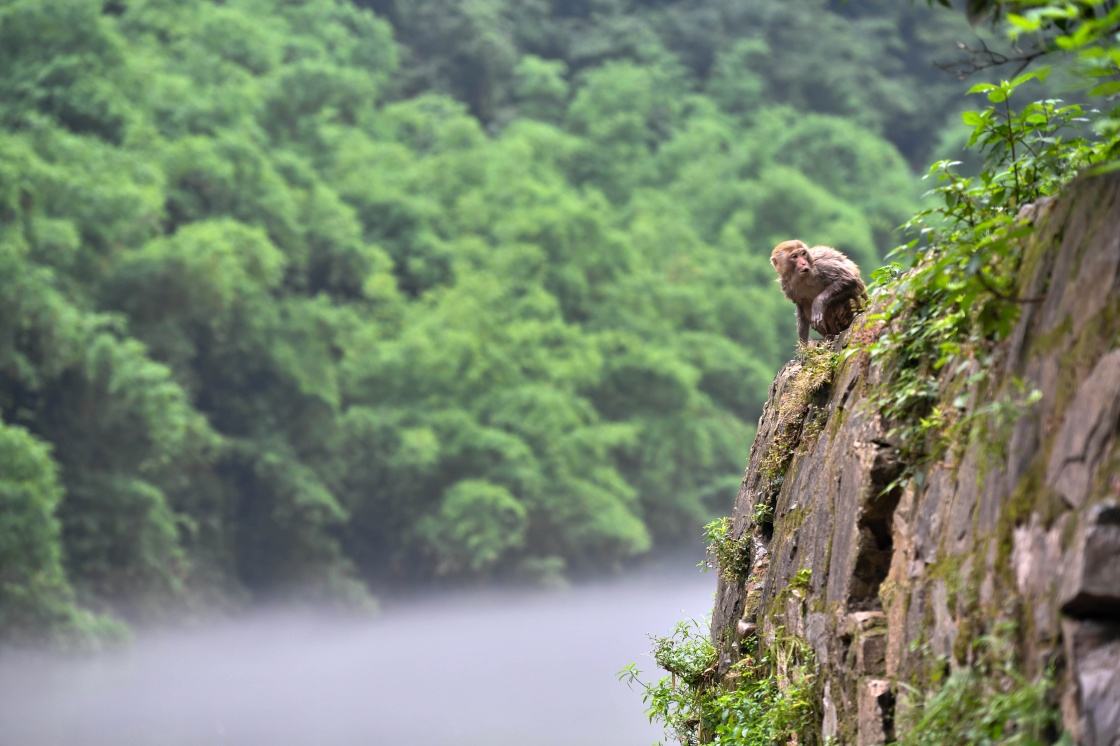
(823, 283)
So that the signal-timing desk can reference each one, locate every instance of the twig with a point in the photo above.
(984, 57)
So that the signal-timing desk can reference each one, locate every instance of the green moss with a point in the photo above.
(776, 606)
(1031, 262)
(791, 521)
(947, 569)
(1032, 495)
(836, 421)
(796, 587)
(1045, 344)
(1016, 508)
(978, 571)
(966, 631)
(812, 429)
(778, 455)
(969, 614)
(818, 363)
(801, 580)
(889, 593)
(1097, 337)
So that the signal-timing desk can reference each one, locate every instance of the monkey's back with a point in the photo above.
(834, 266)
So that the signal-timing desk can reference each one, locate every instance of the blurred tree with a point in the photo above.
(623, 111)
(299, 296)
(541, 88)
(63, 60)
(786, 203)
(738, 80)
(463, 47)
(859, 168)
(35, 597)
(476, 525)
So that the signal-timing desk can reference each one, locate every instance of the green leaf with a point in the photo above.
(1023, 23)
(1109, 88)
(1040, 74)
(972, 118)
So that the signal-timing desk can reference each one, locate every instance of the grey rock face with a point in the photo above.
(1092, 587)
(1094, 648)
(876, 713)
(1088, 427)
(1019, 525)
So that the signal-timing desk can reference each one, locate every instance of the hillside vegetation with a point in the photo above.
(325, 297)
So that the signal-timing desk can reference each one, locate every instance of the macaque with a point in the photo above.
(823, 283)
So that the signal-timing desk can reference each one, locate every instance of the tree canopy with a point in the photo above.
(331, 296)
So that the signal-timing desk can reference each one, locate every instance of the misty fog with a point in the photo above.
(503, 667)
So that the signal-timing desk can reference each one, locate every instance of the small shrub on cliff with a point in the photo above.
(678, 700)
(729, 554)
(774, 700)
(768, 697)
(763, 512)
(801, 580)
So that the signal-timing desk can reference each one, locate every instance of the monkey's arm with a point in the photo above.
(802, 324)
(842, 287)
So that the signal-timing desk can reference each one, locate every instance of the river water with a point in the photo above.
(499, 668)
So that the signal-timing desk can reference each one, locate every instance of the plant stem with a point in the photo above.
(1011, 142)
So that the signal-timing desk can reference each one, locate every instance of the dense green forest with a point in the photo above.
(327, 297)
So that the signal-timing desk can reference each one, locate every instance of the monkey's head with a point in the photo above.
(790, 257)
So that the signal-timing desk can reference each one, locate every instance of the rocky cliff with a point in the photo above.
(895, 575)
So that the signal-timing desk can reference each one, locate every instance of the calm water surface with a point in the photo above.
(520, 668)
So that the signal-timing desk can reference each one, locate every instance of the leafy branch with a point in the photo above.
(951, 295)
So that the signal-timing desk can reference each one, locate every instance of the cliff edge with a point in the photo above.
(897, 575)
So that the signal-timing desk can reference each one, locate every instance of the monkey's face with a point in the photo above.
(801, 261)
(793, 263)
(791, 258)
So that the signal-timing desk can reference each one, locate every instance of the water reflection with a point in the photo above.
(504, 668)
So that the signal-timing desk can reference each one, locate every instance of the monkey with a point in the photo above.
(823, 284)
